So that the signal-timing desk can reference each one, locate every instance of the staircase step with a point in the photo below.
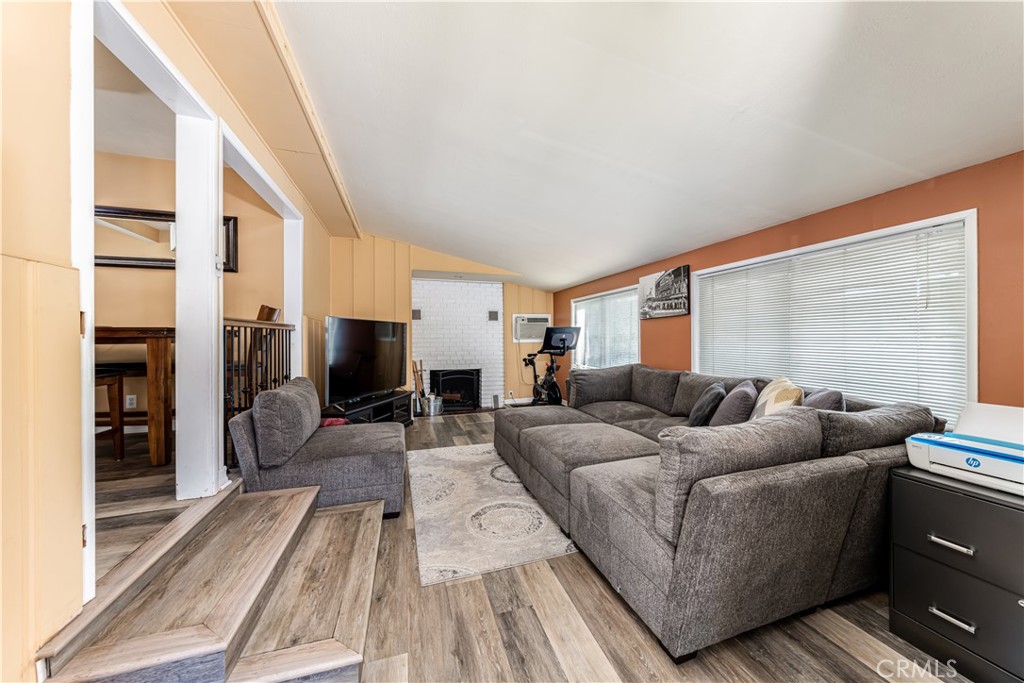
(119, 586)
(298, 662)
(196, 614)
(315, 622)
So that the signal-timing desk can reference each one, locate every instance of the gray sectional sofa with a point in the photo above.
(280, 445)
(709, 532)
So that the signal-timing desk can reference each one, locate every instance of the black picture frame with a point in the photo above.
(117, 212)
(665, 294)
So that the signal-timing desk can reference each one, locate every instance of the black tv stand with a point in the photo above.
(395, 406)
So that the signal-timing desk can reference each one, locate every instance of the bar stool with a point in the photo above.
(113, 380)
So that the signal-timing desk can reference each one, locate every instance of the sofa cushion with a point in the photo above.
(654, 388)
(617, 498)
(888, 425)
(283, 419)
(706, 405)
(737, 406)
(691, 386)
(777, 396)
(557, 450)
(652, 426)
(352, 456)
(855, 405)
(825, 399)
(600, 384)
(620, 411)
(510, 422)
(689, 455)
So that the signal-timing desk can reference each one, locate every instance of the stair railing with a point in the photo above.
(257, 356)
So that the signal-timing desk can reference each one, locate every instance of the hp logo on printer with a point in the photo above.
(973, 462)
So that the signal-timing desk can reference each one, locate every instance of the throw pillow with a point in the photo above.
(737, 406)
(825, 399)
(779, 394)
(691, 386)
(706, 405)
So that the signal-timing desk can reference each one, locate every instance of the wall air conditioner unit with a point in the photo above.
(529, 327)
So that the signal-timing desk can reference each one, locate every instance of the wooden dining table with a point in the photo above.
(159, 389)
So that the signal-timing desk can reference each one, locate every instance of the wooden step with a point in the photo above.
(315, 622)
(119, 586)
(193, 618)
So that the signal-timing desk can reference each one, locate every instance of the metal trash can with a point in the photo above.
(434, 406)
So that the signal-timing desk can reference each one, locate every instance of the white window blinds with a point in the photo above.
(883, 319)
(610, 333)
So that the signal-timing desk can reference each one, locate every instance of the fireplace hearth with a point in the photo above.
(459, 389)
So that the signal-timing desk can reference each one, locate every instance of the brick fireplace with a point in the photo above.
(458, 325)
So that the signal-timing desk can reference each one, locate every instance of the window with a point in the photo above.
(610, 333)
(882, 318)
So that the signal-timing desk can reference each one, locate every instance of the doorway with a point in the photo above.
(202, 146)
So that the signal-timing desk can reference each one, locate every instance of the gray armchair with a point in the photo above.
(280, 445)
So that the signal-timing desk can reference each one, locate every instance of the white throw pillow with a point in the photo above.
(779, 394)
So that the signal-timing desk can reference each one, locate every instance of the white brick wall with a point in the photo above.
(454, 332)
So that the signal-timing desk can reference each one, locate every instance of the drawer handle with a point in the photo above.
(970, 628)
(952, 546)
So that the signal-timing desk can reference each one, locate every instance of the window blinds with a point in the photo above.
(610, 333)
(883, 319)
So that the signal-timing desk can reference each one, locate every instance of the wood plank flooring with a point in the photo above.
(226, 559)
(133, 500)
(315, 621)
(559, 620)
(118, 587)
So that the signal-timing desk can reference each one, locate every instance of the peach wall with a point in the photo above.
(40, 456)
(995, 188)
(40, 366)
(435, 261)
(521, 299)
(134, 296)
(372, 278)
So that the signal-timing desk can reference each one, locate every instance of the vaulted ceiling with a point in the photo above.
(129, 118)
(568, 141)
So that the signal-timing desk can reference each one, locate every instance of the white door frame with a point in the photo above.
(238, 157)
(82, 255)
(198, 201)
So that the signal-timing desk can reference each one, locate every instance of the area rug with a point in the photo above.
(473, 516)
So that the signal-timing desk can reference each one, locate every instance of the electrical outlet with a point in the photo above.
(131, 402)
(510, 394)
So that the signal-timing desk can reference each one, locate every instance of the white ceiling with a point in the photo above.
(128, 117)
(569, 141)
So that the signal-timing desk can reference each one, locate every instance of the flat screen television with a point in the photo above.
(364, 358)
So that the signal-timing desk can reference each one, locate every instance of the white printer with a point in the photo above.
(987, 448)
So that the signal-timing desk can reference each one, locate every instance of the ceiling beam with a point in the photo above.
(280, 41)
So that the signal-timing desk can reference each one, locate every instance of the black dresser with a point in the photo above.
(957, 589)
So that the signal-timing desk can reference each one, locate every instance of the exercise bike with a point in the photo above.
(557, 341)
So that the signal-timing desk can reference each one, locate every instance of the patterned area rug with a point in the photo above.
(473, 516)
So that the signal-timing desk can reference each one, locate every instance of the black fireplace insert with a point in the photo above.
(459, 389)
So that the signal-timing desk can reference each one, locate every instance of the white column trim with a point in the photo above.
(199, 318)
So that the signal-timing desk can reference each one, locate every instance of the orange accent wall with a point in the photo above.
(995, 188)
